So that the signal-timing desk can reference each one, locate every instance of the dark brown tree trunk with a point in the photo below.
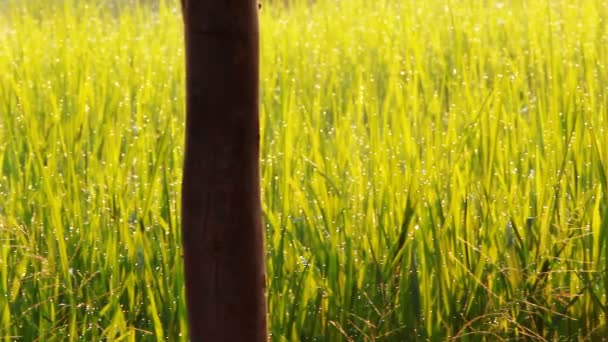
(221, 210)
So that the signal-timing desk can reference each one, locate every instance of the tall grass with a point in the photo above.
(431, 169)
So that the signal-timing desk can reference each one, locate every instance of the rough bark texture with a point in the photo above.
(221, 210)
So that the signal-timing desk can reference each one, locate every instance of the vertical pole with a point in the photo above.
(221, 210)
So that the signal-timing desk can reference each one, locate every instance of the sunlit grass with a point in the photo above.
(431, 169)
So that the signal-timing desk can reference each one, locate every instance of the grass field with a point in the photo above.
(432, 170)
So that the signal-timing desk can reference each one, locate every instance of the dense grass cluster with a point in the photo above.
(431, 169)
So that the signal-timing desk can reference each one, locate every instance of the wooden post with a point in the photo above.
(221, 210)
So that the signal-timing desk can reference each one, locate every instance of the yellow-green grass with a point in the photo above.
(431, 169)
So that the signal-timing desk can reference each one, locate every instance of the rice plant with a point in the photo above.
(432, 170)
